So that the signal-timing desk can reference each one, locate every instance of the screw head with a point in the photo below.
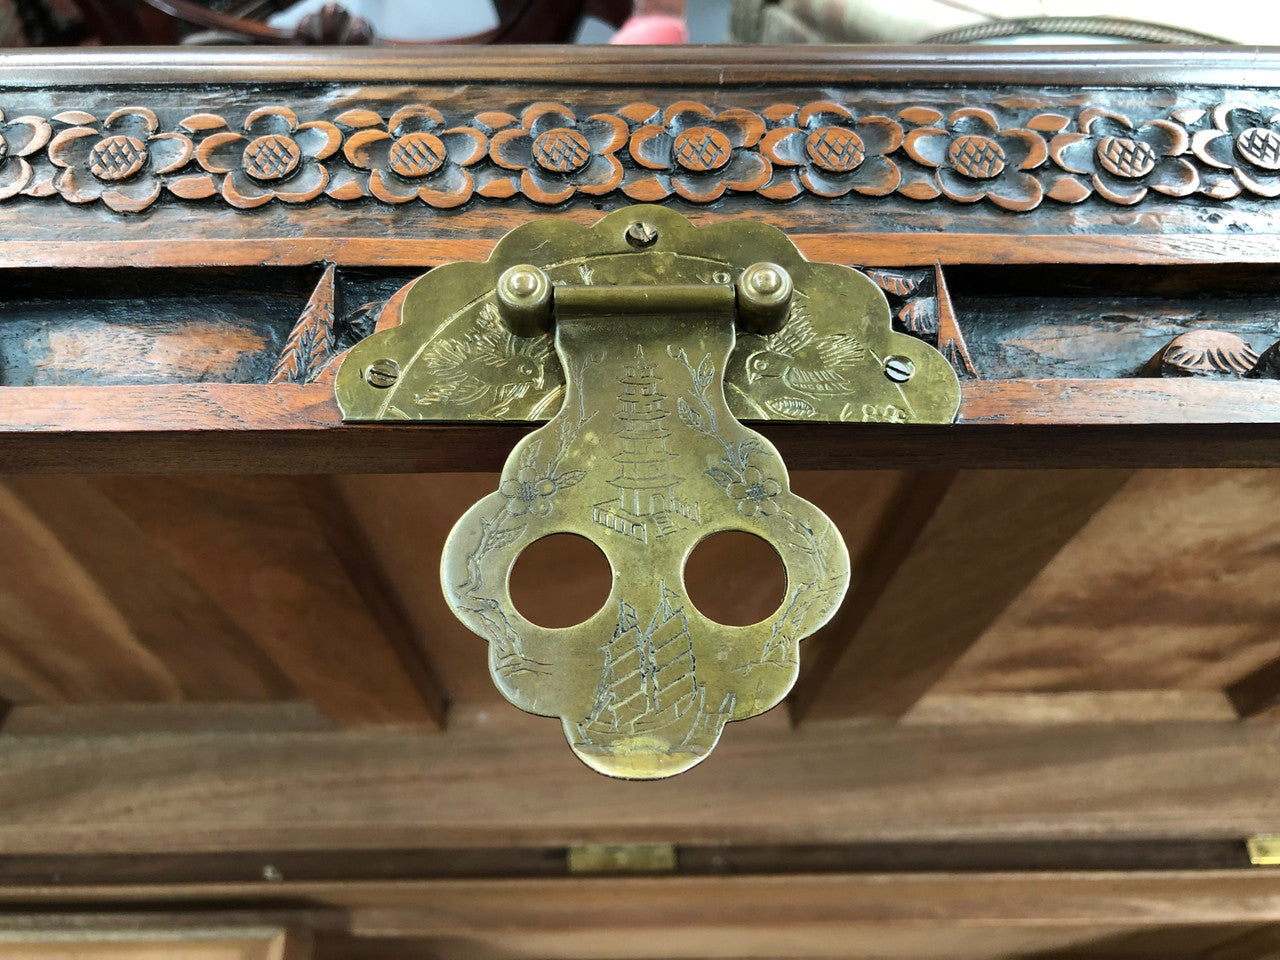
(641, 234)
(382, 373)
(899, 369)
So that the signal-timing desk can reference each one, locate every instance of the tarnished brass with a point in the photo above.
(1264, 850)
(644, 456)
(622, 858)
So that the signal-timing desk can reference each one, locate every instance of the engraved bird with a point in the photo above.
(806, 362)
(488, 371)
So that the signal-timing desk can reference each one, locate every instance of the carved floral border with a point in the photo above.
(551, 153)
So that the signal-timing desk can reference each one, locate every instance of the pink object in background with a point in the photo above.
(652, 29)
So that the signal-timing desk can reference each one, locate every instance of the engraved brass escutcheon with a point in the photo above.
(645, 456)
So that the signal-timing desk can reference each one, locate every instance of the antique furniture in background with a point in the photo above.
(241, 719)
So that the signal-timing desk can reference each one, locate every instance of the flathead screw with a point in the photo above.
(899, 369)
(641, 234)
(382, 373)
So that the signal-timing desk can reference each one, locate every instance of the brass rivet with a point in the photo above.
(899, 369)
(642, 234)
(764, 297)
(766, 280)
(524, 300)
(521, 282)
(382, 373)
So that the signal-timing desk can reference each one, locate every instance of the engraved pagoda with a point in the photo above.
(646, 504)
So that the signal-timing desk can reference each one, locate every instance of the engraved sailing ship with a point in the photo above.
(649, 686)
(646, 504)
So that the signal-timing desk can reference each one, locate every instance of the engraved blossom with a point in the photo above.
(559, 154)
(1246, 142)
(694, 152)
(973, 158)
(121, 164)
(828, 152)
(19, 138)
(1126, 160)
(273, 156)
(754, 493)
(528, 493)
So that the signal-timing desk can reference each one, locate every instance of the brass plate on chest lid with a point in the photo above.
(645, 457)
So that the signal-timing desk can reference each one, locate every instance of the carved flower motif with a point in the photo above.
(973, 158)
(1126, 160)
(122, 163)
(559, 155)
(1246, 142)
(695, 153)
(528, 493)
(274, 157)
(415, 155)
(754, 493)
(830, 153)
(19, 138)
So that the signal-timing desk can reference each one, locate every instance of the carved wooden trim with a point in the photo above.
(552, 153)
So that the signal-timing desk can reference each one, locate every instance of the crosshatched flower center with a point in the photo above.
(117, 158)
(757, 492)
(701, 149)
(561, 150)
(271, 157)
(1260, 146)
(1125, 157)
(416, 155)
(836, 149)
(976, 156)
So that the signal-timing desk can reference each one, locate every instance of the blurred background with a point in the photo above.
(222, 22)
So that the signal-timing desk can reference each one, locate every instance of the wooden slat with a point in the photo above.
(256, 547)
(1170, 589)
(1257, 695)
(952, 553)
(765, 784)
(105, 616)
(288, 428)
(144, 938)
(1074, 706)
(978, 916)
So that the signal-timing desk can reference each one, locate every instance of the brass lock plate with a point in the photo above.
(837, 358)
(644, 457)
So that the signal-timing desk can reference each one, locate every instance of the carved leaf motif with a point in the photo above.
(1207, 353)
(898, 284)
(312, 337)
(920, 316)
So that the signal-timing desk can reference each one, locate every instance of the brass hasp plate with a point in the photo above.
(648, 315)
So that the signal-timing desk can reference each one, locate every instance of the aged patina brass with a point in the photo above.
(645, 456)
